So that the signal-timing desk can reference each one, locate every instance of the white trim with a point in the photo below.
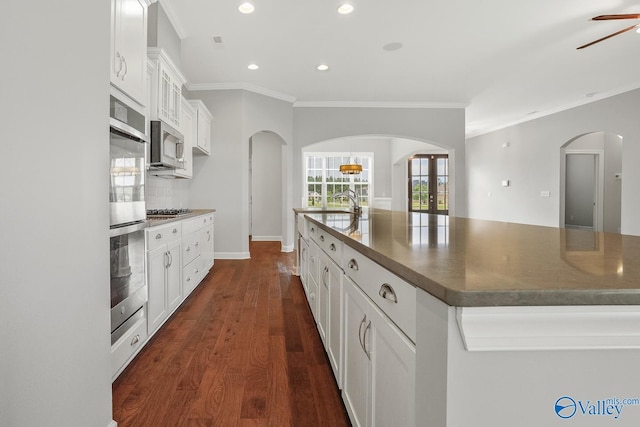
(549, 328)
(287, 248)
(112, 424)
(167, 5)
(155, 53)
(232, 255)
(366, 104)
(192, 87)
(266, 238)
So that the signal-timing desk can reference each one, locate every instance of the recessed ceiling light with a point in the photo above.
(345, 9)
(322, 67)
(253, 67)
(246, 8)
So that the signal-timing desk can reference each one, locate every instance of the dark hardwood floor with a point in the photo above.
(242, 350)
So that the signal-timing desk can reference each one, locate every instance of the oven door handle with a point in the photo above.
(119, 231)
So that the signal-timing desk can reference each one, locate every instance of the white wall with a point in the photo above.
(221, 181)
(55, 364)
(266, 187)
(532, 163)
(442, 127)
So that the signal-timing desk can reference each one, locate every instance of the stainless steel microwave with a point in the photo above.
(167, 147)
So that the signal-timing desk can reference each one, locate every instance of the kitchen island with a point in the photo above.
(513, 324)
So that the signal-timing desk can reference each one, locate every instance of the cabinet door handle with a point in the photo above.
(126, 67)
(322, 237)
(119, 58)
(312, 296)
(364, 340)
(387, 292)
(166, 260)
(332, 247)
(208, 236)
(170, 259)
(325, 270)
(135, 339)
(364, 319)
(352, 264)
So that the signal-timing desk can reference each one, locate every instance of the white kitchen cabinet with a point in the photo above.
(331, 297)
(379, 366)
(313, 279)
(164, 273)
(129, 47)
(203, 118)
(166, 88)
(303, 268)
(207, 247)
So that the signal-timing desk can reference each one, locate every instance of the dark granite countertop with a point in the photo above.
(475, 263)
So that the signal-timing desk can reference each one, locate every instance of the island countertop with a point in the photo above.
(474, 263)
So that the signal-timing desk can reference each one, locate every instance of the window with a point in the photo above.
(429, 183)
(324, 179)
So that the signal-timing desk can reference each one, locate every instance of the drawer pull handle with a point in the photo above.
(135, 340)
(387, 292)
(332, 247)
(352, 264)
(188, 248)
(158, 236)
(322, 238)
(175, 230)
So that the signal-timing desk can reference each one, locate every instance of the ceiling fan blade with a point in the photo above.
(609, 36)
(621, 16)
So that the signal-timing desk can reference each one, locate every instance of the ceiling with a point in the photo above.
(505, 61)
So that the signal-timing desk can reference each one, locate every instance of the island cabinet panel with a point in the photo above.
(379, 369)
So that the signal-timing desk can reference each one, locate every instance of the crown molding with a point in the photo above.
(241, 86)
(365, 104)
(167, 5)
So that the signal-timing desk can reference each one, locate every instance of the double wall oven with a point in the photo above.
(128, 159)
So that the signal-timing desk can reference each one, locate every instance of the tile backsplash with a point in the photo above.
(166, 193)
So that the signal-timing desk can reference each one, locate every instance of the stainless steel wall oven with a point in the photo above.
(128, 160)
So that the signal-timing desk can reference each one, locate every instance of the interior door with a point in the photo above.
(581, 190)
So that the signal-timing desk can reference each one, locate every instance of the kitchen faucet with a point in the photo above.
(353, 196)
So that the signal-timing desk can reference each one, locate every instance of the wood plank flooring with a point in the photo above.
(243, 350)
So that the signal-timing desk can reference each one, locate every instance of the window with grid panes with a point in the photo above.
(324, 179)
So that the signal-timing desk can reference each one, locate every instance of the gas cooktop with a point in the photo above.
(167, 213)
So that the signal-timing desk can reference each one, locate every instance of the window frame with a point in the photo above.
(324, 183)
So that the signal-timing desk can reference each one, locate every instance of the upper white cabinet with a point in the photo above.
(129, 47)
(166, 88)
(203, 135)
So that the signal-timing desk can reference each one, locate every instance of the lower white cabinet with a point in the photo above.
(303, 268)
(330, 320)
(164, 274)
(379, 365)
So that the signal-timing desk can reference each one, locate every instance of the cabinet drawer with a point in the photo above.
(197, 223)
(158, 236)
(395, 297)
(190, 247)
(191, 276)
(123, 349)
(328, 243)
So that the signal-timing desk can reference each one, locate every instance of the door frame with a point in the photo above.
(598, 210)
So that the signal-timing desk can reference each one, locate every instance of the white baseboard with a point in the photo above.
(232, 255)
(287, 248)
(113, 424)
(266, 238)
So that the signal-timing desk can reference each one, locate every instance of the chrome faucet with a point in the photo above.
(353, 196)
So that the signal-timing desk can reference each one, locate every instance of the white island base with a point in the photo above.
(526, 366)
